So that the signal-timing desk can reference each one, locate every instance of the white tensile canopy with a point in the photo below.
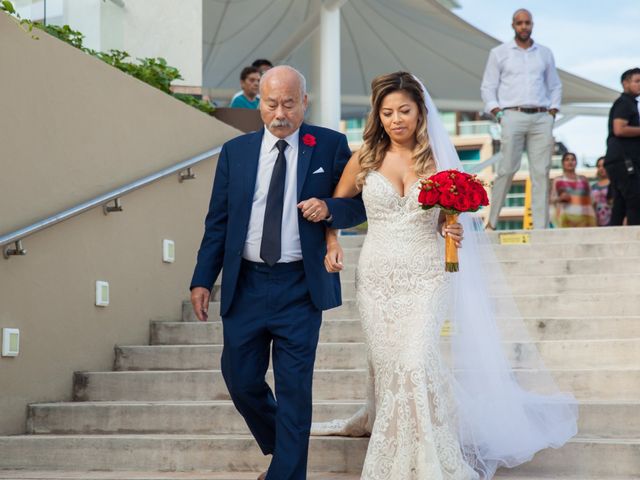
(355, 40)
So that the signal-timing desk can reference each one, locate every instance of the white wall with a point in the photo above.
(144, 28)
(157, 28)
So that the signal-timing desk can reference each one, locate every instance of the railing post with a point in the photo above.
(106, 209)
(8, 251)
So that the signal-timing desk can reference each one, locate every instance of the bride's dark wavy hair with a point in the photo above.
(376, 141)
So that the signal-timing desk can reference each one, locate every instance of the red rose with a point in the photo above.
(444, 184)
(447, 200)
(475, 199)
(429, 197)
(309, 140)
(461, 204)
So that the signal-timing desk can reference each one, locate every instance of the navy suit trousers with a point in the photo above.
(272, 309)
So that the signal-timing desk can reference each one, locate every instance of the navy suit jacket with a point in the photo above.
(227, 222)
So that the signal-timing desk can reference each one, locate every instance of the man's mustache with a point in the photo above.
(280, 124)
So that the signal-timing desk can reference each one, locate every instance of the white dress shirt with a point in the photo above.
(291, 250)
(518, 77)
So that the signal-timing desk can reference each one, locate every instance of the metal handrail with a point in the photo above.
(17, 235)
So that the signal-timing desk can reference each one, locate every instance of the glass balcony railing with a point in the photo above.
(478, 127)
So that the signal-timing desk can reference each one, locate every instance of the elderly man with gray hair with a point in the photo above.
(269, 188)
(521, 88)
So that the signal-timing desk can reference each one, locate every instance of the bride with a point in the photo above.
(429, 419)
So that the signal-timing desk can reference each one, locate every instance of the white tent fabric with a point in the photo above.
(377, 36)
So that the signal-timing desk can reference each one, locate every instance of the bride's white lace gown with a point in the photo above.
(402, 295)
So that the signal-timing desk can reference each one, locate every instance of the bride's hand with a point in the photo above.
(454, 231)
(333, 258)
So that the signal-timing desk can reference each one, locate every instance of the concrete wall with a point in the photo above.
(71, 128)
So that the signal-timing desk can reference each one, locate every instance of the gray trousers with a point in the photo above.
(533, 131)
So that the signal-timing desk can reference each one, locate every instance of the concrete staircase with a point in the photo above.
(164, 412)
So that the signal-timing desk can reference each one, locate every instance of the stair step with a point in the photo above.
(573, 236)
(548, 266)
(585, 384)
(596, 419)
(568, 304)
(545, 328)
(586, 457)
(207, 333)
(548, 251)
(556, 353)
(541, 284)
(150, 475)
(205, 475)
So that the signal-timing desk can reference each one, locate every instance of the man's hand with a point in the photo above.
(553, 112)
(314, 210)
(200, 301)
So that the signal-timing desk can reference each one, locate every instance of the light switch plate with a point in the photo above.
(102, 293)
(168, 251)
(10, 342)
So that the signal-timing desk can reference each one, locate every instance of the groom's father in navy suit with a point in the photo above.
(274, 284)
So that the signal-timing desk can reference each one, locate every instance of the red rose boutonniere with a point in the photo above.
(309, 140)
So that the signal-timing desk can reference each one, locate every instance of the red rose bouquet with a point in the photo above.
(454, 192)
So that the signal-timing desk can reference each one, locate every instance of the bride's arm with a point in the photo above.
(346, 188)
(333, 258)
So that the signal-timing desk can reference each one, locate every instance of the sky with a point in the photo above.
(595, 39)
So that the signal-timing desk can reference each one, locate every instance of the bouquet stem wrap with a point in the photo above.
(450, 248)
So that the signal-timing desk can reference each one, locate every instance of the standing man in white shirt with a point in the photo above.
(521, 88)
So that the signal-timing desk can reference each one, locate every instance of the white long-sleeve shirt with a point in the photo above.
(518, 77)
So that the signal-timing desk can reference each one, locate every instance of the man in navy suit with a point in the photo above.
(265, 237)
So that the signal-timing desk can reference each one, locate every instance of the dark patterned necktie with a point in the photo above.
(271, 246)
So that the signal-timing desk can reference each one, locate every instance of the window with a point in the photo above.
(509, 225)
(515, 197)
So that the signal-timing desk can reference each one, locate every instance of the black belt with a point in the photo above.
(277, 268)
(528, 109)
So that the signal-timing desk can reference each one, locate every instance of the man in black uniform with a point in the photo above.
(622, 161)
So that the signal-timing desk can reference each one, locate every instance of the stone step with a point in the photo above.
(544, 328)
(198, 333)
(618, 249)
(151, 475)
(550, 251)
(570, 236)
(586, 384)
(541, 284)
(555, 266)
(575, 235)
(555, 353)
(597, 419)
(568, 304)
(205, 475)
(579, 457)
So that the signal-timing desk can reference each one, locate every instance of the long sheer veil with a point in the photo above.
(508, 404)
